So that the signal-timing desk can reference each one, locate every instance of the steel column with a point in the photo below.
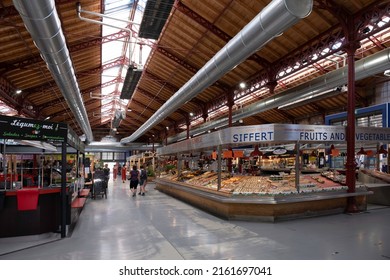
(63, 190)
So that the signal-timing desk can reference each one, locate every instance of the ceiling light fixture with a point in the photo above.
(362, 152)
(382, 150)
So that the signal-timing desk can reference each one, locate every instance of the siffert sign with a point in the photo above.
(29, 129)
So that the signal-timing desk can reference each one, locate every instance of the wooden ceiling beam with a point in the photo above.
(196, 101)
(7, 94)
(215, 30)
(79, 46)
(303, 55)
(157, 99)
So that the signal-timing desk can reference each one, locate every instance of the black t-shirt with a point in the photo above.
(143, 174)
(133, 175)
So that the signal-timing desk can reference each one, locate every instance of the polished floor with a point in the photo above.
(156, 226)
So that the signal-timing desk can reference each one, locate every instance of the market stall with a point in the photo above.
(285, 193)
(146, 159)
(38, 182)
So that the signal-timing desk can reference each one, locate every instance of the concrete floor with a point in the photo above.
(156, 226)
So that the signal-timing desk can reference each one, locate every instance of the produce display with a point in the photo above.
(384, 177)
(259, 185)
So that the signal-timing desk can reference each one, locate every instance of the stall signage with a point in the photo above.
(276, 133)
(305, 133)
(252, 134)
(29, 129)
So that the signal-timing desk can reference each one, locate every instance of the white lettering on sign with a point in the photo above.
(22, 124)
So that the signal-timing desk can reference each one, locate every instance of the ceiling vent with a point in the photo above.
(155, 15)
(131, 80)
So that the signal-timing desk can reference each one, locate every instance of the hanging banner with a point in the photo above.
(29, 129)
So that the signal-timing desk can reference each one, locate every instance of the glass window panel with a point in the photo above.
(119, 156)
(107, 156)
(376, 121)
(362, 121)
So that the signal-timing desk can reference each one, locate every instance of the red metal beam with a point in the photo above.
(18, 104)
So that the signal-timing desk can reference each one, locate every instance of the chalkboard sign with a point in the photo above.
(30, 129)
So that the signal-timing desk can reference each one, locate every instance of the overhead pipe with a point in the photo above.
(43, 23)
(364, 68)
(79, 10)
(278, 16)
(118, 147)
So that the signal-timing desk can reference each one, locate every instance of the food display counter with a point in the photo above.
(266, 196)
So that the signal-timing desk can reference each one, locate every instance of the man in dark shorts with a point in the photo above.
(142, 180)
(134, 179)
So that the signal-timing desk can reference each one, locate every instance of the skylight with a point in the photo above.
(123, 15)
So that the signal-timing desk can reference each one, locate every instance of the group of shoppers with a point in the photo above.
(138, 177)
(118, 169)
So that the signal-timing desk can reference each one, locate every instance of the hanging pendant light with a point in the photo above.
(335, 153)
(256, 152)
(382, 150)
(362, 152)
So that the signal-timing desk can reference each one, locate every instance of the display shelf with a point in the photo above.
(284, 186)
(267, 208)
(260, 185)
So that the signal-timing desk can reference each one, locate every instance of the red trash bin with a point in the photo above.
(27, 199)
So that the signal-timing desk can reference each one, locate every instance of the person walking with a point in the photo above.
(115, 173)
(134, 179)
(123, 172)
(106, 171)
(142, 180)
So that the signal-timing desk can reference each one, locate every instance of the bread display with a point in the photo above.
(258, 185)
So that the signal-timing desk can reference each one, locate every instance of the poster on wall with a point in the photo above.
(29, 129)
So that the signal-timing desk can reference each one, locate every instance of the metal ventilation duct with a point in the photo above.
(364, 68)
(118, 147)
(42, 22)
(269, 23)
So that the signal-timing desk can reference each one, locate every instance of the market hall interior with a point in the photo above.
(157, 226)
(299, 76)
